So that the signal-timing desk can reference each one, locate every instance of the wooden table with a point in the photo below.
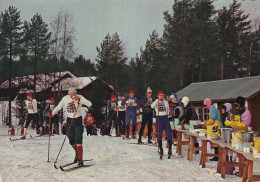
(245, 162)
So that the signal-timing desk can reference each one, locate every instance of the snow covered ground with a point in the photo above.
(114, 160)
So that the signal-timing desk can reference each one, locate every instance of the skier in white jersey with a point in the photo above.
(73, 103)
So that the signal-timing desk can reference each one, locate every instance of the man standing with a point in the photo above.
(55, 118)
(147, 115)
(132, 106)
(73, 103)
(31, 105)
(112, 113)
(121, 116)
(161, 107)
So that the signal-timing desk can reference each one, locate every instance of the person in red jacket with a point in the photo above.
(89, 121)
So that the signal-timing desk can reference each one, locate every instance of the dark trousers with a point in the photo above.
(35, 118)
(121, 121)
(89, 129)
(162, 123)
(113, 118)
(55, 121)
(146, 119)
(75, 134)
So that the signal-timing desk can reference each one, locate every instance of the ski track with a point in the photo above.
(114, 160)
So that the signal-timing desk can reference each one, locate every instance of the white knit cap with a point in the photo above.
(185, 100)
(148, 90)
(72, 90)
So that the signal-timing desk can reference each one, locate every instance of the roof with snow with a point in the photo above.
(222, 89)
(46, 83)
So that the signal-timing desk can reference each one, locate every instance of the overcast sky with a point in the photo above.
(134, 20)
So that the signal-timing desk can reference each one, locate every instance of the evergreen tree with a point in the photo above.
(111, 61)
(37, 41)
(21, 111)
(10, 39)
(83, 67)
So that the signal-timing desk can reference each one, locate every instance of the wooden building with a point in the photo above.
(53, 84)
(223, 91)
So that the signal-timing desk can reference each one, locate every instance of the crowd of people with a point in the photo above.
(123, 113)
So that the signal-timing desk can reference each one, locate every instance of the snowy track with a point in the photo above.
(114, 159)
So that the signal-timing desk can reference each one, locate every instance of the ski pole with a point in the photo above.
(49, 140)
(66, 134)
(158, 126)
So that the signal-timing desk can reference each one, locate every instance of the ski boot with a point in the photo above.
(140, 141)
(80, 163)
(127, 132)
(23, 137)
(76, 158)
(161, 152)
(133, 133)
(169, 153)
(197, 145)
(150, 140)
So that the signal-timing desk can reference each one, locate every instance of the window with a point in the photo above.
(205, 114)
(198, 111)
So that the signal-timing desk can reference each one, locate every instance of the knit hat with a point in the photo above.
(160, 92)
(113, 96)
(185, 100)
(29, 94)
(240, 101)
(228, 106)
(149, 90)
(131, 92)
(207, 102)
(122, 99)
(72, 90)
(52, 98)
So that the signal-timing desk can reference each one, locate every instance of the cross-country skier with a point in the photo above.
(132, 107)
(147, 115)
(161, 107)
(31, 105)
(73, 103)
(112, 114)
(121, 116)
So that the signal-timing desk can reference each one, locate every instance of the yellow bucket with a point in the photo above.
(212, 130)
(236, 137)
(257, 143)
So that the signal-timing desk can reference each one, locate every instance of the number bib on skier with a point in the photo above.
(71, 107)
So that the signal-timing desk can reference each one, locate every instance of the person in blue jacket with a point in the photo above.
(132, 106)
(112, 107)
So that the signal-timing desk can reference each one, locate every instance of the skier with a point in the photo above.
(55, 119)
(161, 107)
(73, 103)
(112, 114)
(147, 115)
(31, 105)
(121, 116)
(89, 120)
(132, 107)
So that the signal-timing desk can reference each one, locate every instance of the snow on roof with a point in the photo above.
(77, 82)
(43, 81)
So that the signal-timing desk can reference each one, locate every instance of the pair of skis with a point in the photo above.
(15, 139)
(67, 167)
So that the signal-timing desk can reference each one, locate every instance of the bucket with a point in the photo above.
(226, 134)
(192, 123)
(247, 137)
(236, 137)
(172, 124)
(211, 129)
(176, 122)
(257, 143)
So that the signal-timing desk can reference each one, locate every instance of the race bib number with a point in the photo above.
(113, 105)
(71, 107)
(162, 107)
(30, 106)
(131, 102)
(52, 107)
(89, 119)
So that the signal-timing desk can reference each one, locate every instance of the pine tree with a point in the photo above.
(37, 41)
(111, 61)
(10, 39)
(21, 111)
